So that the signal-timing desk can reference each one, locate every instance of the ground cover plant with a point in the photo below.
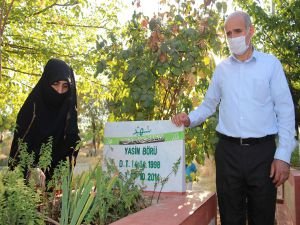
(96, 196)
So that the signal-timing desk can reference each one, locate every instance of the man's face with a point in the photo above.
(235, 27)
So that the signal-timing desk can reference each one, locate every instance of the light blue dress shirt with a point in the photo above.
(254, 101)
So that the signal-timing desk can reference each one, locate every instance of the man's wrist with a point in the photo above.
(187, 123)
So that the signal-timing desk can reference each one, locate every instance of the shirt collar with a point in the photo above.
(253, 57)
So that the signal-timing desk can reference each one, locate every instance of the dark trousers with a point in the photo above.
(245, 190)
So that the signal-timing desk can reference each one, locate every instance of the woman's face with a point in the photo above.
(60, 86)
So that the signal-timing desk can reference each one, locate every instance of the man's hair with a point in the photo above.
(245, 16)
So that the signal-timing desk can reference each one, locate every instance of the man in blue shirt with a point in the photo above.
(255, 104)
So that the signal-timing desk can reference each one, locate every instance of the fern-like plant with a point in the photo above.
(18, 202)
(96, 197)
(45, 155)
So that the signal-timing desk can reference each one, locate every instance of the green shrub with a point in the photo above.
(295, 158)
(95, 197)
(18, 202)
(116, 195)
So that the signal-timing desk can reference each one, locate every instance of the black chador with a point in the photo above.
(47, 113)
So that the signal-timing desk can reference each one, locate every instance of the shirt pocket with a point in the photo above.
(261, 91)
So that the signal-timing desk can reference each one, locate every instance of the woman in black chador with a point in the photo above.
(49, 111)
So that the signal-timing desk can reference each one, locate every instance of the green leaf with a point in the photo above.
(101, 66)
(79, 210)
(219, 6)
(176, 71)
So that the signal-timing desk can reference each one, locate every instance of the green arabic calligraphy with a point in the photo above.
(140, 131)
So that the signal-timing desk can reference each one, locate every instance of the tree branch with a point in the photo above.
(4, 75)
(6, 18)
(48, 219)
(80, 25)
(53, 5)
(77, 25)
(275, 47)
(44, 10)
(36, 51)
(9, 77)
(1, 13)
(164, 103)
(21, 47)
(18, 52)
(19, 71)
(3, 22)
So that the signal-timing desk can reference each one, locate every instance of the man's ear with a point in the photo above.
(252, 30)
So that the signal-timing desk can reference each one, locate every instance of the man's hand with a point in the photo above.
(38, 176)
(42, 178)
(181, 119)
(280, 171)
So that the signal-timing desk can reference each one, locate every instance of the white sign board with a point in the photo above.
(155, 146)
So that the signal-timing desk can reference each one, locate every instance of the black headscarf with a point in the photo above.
(46, 113)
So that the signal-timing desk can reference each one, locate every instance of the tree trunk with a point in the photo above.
(94, 150)
(4, 12)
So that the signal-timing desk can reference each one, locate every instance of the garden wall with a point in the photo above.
(190, 208)
(292, 196)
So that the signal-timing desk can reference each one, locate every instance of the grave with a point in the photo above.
(291, 195)
(158, 148)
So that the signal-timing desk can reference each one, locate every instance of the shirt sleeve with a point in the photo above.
(209, 104)
(285, 113)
